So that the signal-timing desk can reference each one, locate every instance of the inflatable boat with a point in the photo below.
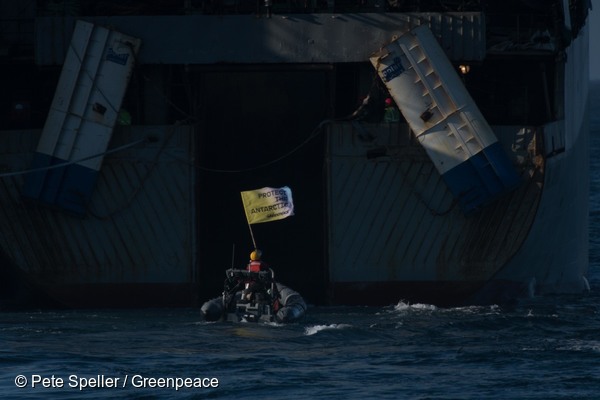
(250, 296)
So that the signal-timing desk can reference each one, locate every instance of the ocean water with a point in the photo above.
(544, 348)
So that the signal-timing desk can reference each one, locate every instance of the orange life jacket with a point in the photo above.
(257, 266)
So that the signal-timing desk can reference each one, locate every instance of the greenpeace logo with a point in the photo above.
(117, 58)
(393, 70)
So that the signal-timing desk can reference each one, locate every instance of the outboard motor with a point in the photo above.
(255, 301)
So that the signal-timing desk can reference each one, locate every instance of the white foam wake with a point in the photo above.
(402, 306)
(311, 330)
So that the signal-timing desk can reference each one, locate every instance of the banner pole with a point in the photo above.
(252, 236)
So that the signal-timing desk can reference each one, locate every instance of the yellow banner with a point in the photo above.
(268, 204)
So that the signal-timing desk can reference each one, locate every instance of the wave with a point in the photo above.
(419, 308)
(586, 346)
(311, 330)
(402, 306)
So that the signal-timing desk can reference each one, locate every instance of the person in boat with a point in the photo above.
(253, 294)
(254, 289)
(256, 264)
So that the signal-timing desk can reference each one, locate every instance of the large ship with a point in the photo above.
(130, 129)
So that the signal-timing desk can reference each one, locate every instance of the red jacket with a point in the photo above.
(257, 266)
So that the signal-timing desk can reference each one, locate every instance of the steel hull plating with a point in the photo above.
(385, 224)
(547, 255)
(416, 246)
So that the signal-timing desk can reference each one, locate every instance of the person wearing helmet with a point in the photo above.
(254, 287)
(256, 264)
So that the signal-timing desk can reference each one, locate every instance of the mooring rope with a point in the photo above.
(67, 163)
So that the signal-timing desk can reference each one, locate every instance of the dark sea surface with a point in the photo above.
(544, 348)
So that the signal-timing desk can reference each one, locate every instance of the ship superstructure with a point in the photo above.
(228, 98)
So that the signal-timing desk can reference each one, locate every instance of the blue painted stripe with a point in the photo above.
(77, 188)
(482, 178)
(69, 188)
(34, 182)
(502, 165)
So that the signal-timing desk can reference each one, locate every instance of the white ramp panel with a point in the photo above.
(82, 116)
(445, 119)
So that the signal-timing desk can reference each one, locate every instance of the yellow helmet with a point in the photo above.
(255, 255)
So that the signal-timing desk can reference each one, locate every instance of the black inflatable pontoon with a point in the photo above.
(254, 297)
